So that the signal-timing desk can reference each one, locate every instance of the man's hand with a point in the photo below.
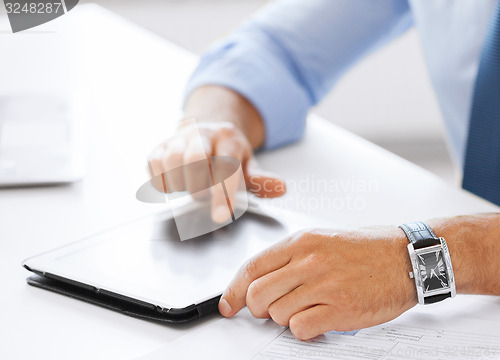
(224, 124)
(323, 280)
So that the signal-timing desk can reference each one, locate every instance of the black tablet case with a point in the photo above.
(120, 303)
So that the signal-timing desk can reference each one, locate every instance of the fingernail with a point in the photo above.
(220, 214)
(224, 307)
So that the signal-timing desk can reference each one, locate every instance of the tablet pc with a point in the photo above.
(144, 270)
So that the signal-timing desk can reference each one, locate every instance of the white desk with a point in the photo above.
(130, 84)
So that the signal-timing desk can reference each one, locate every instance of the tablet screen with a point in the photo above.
(146, 260)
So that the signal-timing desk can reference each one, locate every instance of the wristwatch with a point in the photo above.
(431, 263)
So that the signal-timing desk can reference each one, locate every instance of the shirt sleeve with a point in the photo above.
(287, 57)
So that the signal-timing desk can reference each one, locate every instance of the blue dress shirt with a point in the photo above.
(288, 57)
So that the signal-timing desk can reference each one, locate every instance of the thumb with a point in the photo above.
(262, 183)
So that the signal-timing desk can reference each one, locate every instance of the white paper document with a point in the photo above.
(467, 327)
(386, 342)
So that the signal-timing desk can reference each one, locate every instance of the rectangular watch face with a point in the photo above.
(433, 272)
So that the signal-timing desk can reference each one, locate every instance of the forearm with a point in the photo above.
(221, 104)
(474, 245)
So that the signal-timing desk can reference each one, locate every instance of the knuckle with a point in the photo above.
(301, 238)
(254, 301)
(155, 166)
(197, 149)
(251, 268)
(257, 312)
(230, 294)
(227, 128)
(173, 159)
(155, 161)
(278, 315)
(175, 153)
(254, 293)
(192, 156)
(312, 262)
(300, 328)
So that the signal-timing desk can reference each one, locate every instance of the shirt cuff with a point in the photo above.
(257, 70)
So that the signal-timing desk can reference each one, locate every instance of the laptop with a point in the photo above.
(41, 141)
(143, 269)
(41, 122)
